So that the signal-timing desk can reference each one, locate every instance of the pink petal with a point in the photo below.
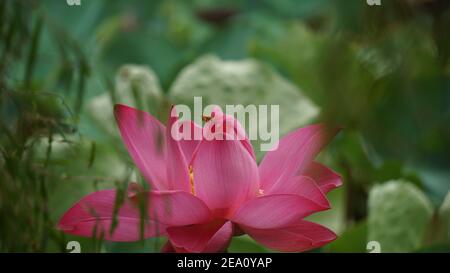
(297, 237)
(228, 125)
(170, 248)
(274, 211)
(170, 208)
(210, 237)
(302, 186)
(177, 167)
(188, 146)
(324, 177)
(134, 189)
(224, 174)
(294, 153)
(144, 136)
(175, 208)
(95, 212)
(221, 239)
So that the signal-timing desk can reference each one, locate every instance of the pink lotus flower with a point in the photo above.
(205, 192)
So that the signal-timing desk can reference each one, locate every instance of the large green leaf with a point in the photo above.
(399, 214)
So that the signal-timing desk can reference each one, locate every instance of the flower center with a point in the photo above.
(206, 118)
(191, 179)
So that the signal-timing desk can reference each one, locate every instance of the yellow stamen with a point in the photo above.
(191, 179)
(206, 118)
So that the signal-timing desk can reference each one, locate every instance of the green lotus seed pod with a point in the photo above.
(399, 214)
(244, 82)
(136, 86)
(444, 215)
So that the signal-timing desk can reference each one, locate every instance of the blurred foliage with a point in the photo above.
(382, 73)
(353, 239)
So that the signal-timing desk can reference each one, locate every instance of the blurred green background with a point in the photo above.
(381, 72)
